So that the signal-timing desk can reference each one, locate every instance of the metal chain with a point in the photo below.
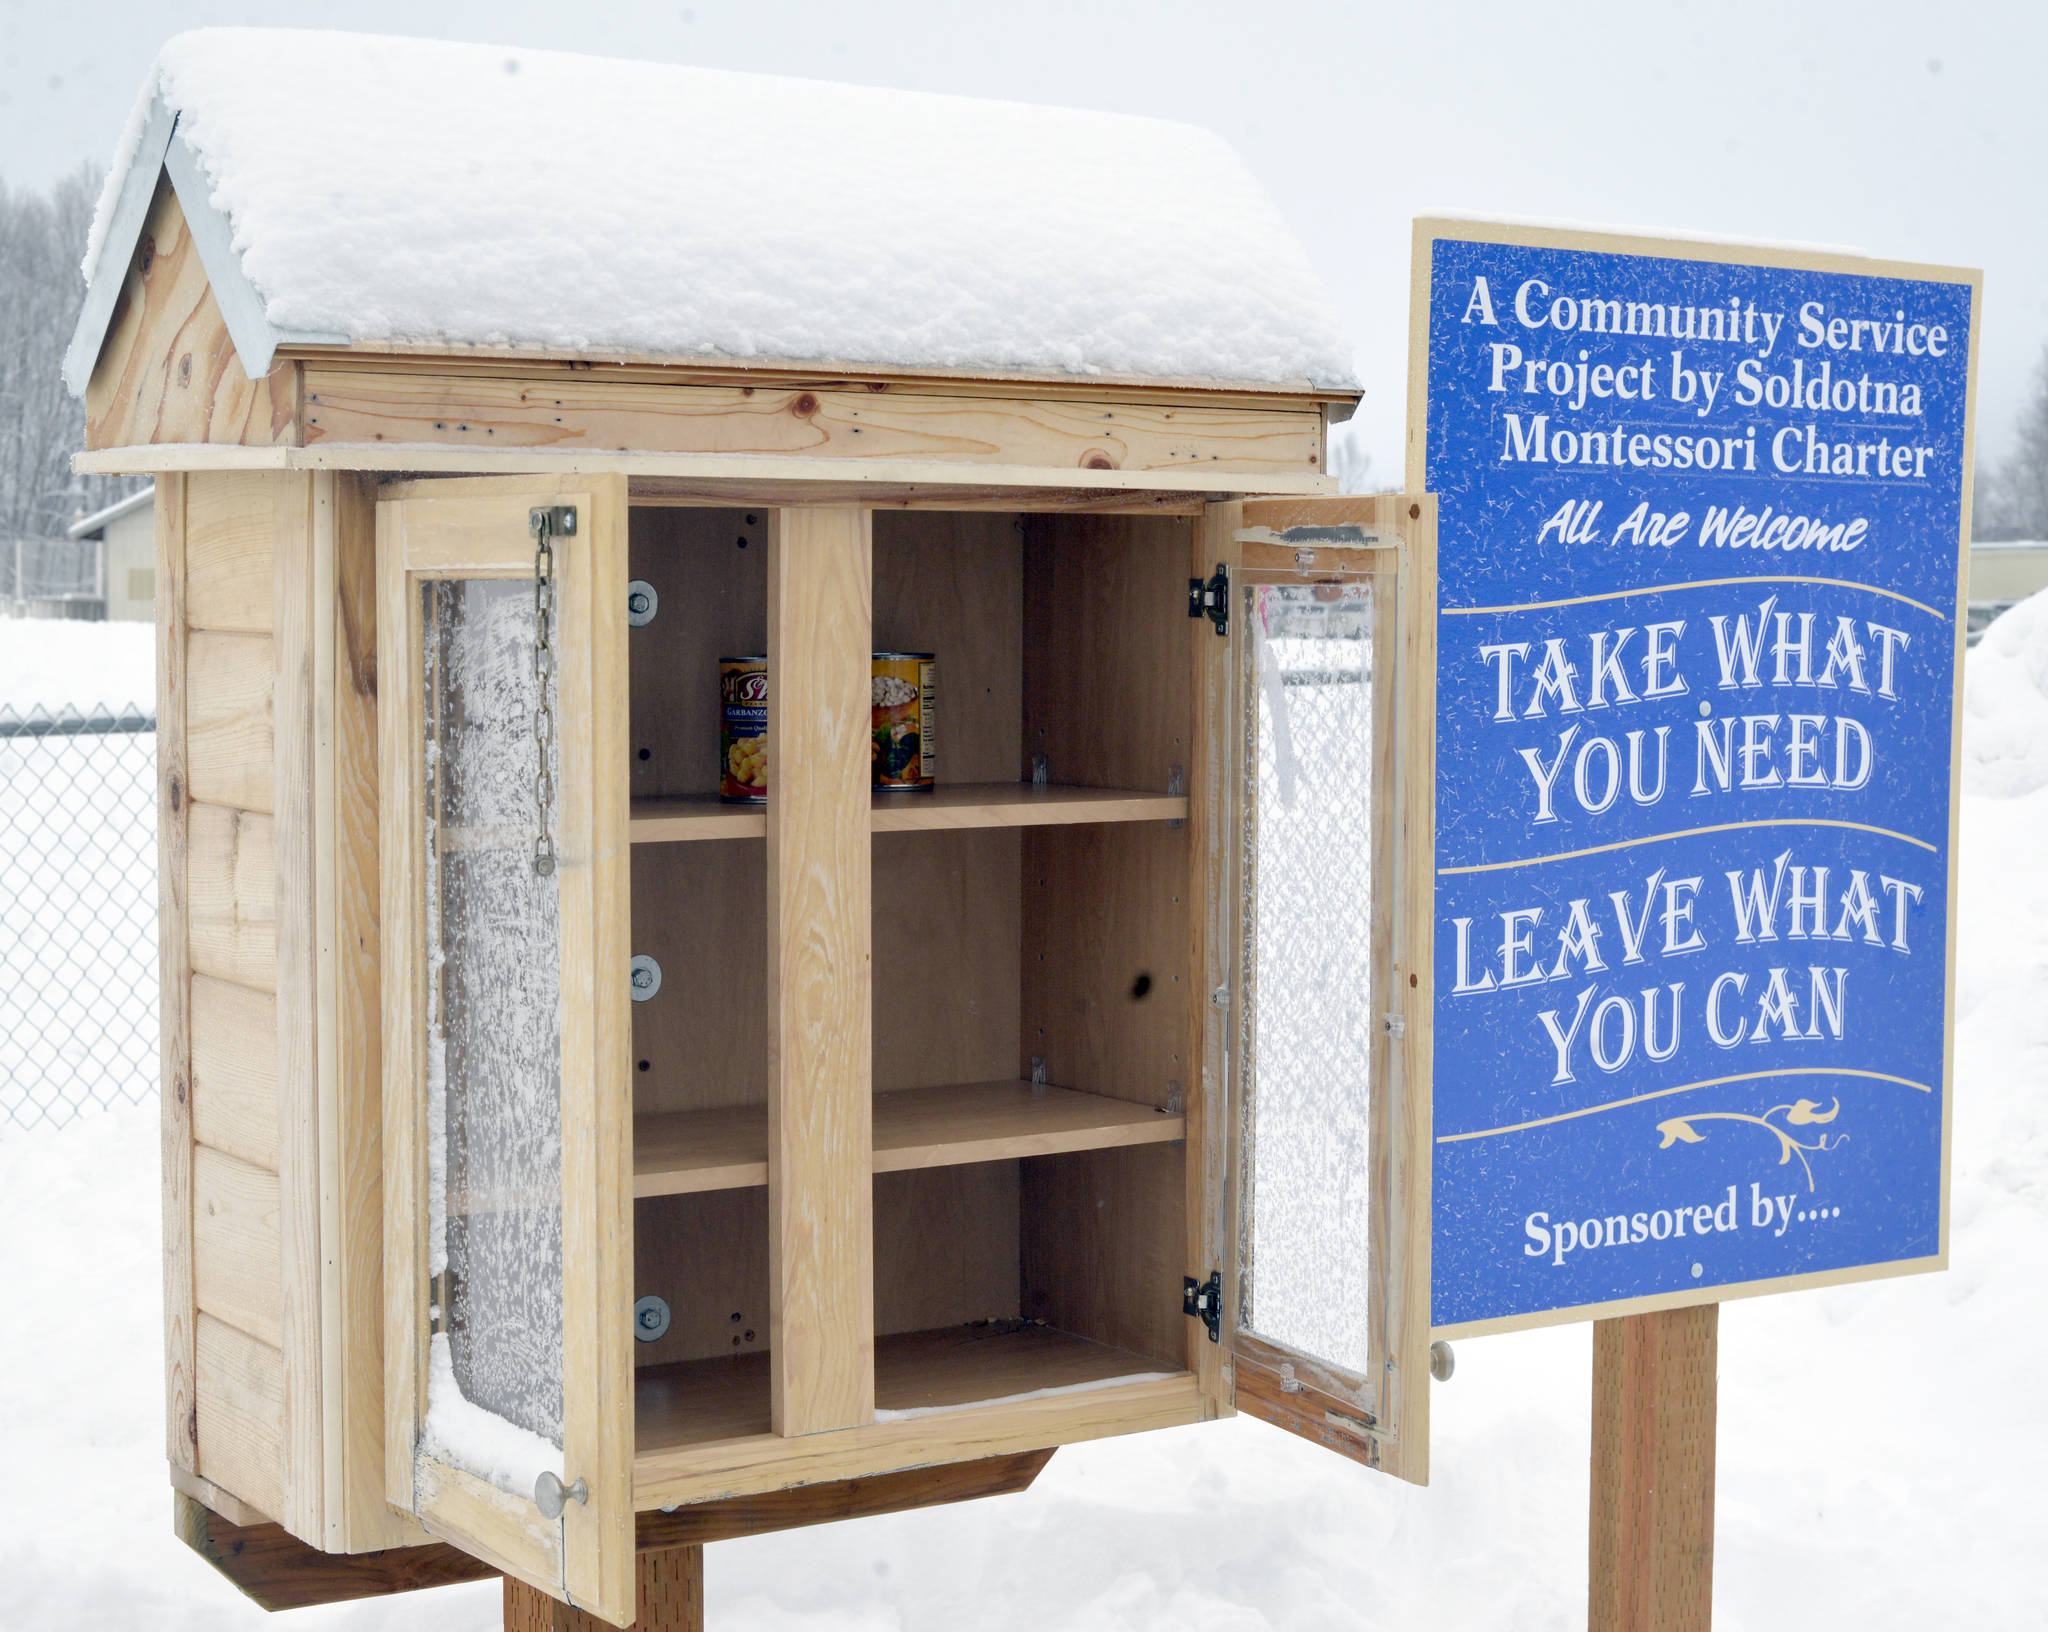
(543, 673)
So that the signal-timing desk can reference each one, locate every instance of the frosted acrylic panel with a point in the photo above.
(1306, 1003)
(494, 1016)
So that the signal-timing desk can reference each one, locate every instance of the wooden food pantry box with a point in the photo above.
(558, 1159)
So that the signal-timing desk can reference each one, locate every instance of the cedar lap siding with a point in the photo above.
(267, 697)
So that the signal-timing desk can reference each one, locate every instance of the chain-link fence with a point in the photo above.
(39, 569)
(78, 955)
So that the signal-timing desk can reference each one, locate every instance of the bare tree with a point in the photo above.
(2011, 497)
(41, 425)
(1351, 461)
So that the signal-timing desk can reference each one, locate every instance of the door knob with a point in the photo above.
(551, 1496)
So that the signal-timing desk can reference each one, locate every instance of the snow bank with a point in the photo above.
(423, 190)
(2005, 704)
(56, 663)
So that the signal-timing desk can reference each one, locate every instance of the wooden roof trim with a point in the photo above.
(164, 151)
(441, 357)
(438, 458)
(124, 229)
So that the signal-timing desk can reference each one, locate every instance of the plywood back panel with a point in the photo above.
(707, 1256)
(714, 603)
(946, 1246)
(1109, 977)
(1106, 692)
(946, 956)
(1102, 1245)
(700, 911)
(946, 904)
(1106, 977)
(952, 584)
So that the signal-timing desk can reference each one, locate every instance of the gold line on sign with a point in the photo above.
(1683, 1088)
(1688, 833)
(1702, 583)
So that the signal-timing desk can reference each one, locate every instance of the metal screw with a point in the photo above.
(643, 601)
(650, 1319)
(646, 977)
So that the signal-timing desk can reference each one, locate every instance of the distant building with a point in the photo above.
(2001, 574)
(45, 577)
(126, 534)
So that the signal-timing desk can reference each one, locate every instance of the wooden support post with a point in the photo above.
(1651, 1563)
(670, 1598)
(820, 971)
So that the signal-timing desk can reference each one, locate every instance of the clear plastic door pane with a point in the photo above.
(494, 1078)
(1306, 1034)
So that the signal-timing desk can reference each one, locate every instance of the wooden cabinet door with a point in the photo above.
(1321, 805)
(507, 1094)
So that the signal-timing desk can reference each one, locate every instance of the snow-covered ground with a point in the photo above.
(1877, 1442)
(56, 664)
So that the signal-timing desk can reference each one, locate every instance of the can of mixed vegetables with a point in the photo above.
(905, 695)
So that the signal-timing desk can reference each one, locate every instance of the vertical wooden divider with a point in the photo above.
(294, 797)
(174, 952)
(1651, 1559)
(820, 970)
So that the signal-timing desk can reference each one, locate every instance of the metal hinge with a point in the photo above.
(1204, 1301)
(1211, 599)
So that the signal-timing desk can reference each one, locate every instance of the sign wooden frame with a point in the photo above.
(1430, 231)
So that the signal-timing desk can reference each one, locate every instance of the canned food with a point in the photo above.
(905, 696)
(743, 728)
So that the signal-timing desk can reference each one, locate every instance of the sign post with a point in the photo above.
(1650, 1558)
(1702, 521)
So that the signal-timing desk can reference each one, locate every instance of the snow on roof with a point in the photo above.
(373, 189)
(86, 525)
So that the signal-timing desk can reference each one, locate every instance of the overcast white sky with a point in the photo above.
(1913, 131)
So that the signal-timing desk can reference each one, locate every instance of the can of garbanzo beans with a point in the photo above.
(906, 690)
(743, 729)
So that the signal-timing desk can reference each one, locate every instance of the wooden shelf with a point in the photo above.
(727, 1149)
(726, 1397)
(1020, 804)
(964, 804)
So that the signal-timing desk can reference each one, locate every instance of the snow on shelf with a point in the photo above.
(407, 190)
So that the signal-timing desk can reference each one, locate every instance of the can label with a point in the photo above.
(905, 698)
(743, 728)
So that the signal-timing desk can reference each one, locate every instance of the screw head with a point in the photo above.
(650, 1319)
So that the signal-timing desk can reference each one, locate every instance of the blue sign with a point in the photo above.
(1699, 535)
